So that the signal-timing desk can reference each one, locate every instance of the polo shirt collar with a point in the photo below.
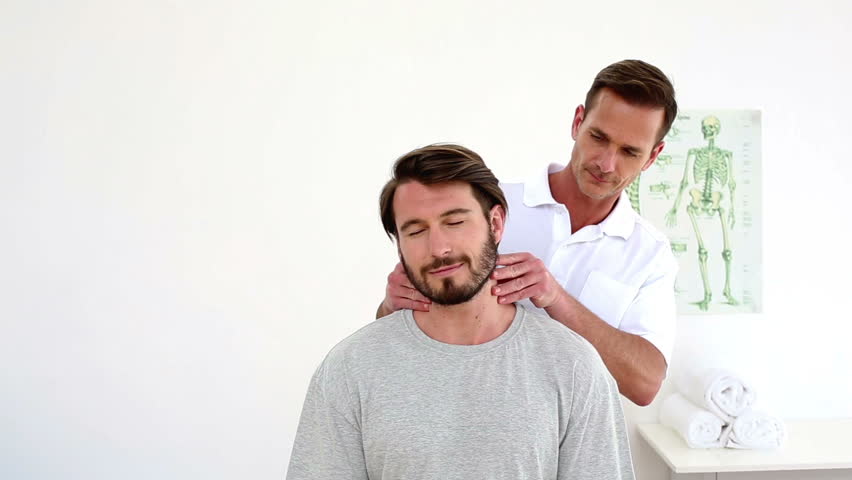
(537, 187)
(620, 222)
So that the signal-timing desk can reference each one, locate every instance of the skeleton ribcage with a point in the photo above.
(710, 169)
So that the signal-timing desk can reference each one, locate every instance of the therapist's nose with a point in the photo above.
(606, 162)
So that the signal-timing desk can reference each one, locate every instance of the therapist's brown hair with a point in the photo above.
(639, 83)
(441, 163)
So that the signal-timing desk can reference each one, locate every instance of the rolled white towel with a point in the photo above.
(700, 428)
(719, 391)
(757, 430)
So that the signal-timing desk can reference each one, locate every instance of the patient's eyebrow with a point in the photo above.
(410, 223)
(455, 211)
(414, 221)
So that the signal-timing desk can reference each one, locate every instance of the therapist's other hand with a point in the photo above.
(400, 293)
(524, 276)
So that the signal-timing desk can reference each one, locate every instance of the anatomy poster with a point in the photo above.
(704, 192)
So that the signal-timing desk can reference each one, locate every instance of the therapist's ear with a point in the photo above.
(497, 220)
(654, 154)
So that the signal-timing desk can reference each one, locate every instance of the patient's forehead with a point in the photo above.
(416, 200)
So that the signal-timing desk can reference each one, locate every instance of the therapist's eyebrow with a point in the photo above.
(597, 131)
(413, 221)
(627, 148)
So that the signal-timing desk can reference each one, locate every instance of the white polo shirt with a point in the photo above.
(622, 269)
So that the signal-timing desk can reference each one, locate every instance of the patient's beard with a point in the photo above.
(449, 292)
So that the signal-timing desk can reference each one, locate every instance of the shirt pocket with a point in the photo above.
(606, 297)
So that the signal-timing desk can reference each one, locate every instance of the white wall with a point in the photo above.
(189, 191)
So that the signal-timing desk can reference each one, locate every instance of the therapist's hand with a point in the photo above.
(400, 293)
(524, 276)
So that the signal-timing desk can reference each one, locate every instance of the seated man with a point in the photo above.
(472, 388)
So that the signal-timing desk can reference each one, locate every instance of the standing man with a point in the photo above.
(575, 248)
(471, 388)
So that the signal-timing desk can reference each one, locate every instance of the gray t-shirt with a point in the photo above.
(389, 402)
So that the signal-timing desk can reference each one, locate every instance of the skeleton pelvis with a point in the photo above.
(707, 204)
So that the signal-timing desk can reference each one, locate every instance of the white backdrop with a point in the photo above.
(189, 189)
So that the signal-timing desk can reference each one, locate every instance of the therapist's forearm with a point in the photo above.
(637, 366)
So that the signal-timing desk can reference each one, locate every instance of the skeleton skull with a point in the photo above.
(710, 127)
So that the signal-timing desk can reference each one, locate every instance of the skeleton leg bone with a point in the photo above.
(692, 209)
(726, 256)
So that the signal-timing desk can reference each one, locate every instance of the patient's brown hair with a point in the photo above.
(440, 163)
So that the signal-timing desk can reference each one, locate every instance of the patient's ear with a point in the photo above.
(497, 221)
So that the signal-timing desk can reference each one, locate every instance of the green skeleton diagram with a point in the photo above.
(663, 187)
(633, 194)
(633, 189)
(712, 171)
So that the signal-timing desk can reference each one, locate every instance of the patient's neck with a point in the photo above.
(477, 321)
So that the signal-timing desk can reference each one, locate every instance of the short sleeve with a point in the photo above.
(595, 444)
(652, 314)
(328, 442)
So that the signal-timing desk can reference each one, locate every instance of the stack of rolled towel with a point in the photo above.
(713, 409)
